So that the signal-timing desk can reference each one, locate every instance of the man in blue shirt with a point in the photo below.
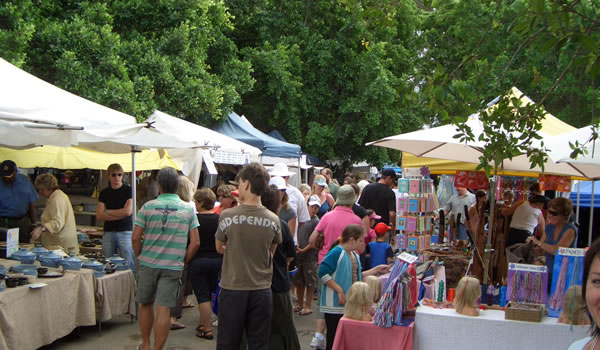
(16, 200)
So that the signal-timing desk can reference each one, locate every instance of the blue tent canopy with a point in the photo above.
(585, 198)
(240, 129)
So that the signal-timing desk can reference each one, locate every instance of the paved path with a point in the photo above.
(121, 334)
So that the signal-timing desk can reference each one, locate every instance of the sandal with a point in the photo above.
(176, 326)
(200, 328)
(297, 308)
(305, 312)
(205, 335)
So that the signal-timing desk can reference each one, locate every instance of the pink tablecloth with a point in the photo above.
(360, 335)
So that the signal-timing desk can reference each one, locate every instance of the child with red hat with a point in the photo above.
(380, 252)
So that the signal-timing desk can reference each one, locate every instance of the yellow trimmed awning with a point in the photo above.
(80, 158)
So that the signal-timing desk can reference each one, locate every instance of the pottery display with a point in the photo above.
(50, 259)
(71, 263)
(38, 250)
(24, 256)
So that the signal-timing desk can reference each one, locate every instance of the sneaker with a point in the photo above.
(317, 343)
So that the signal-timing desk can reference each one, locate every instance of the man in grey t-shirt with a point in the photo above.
(456, 205)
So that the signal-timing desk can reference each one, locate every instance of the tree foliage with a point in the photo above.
(331, 75)
(547, 48)
(132, 55)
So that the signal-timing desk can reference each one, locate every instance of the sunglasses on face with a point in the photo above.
(116, 174)
(553, 212)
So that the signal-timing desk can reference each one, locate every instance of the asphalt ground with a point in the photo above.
(120, 333)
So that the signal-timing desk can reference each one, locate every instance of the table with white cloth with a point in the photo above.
(116, 294)
(446, 329)
(31, 318)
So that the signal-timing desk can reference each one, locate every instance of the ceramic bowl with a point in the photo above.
(71, 263)
(92, 264)
(24, 256)
(50, 260)
(38, 250)
(22, 267)
(12, 282)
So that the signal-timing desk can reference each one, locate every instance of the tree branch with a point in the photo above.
(514, 56)
(490, 24)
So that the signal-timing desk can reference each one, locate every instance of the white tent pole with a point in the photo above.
(591, 216)
(578, 201)
(133, 180)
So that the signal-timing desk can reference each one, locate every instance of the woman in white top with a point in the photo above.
(526, 216)
(591, 295)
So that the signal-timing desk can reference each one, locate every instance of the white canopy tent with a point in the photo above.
(588, 165)
(34, 112)
(24, 97)
(439, 143)
(205, 140)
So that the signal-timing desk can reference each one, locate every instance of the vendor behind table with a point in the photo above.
(17, 196)
(57, 229)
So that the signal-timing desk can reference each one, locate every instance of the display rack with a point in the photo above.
(415, 205)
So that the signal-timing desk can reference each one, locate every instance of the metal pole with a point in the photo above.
(133, 180)
(578, 201)
(591, 216)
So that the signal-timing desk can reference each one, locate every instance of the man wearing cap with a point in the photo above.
(381, 198)
(296, 199)
(331, 226)
(17, 196)
(333, 187)
(456, 205)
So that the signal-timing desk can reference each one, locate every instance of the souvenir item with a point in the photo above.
(401, 223)
(527, 284)
(568, 271)
(411, 224)
(413, 205)
(402, 204)
(403, 185)
(415, 186)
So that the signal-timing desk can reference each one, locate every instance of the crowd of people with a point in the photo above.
(239, 240)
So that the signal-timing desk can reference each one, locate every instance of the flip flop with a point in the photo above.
(205, 335)
(305, 312)
(176, 326)
(297, 308)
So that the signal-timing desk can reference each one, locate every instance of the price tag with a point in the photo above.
(571, 251)
(527, 267)
(408, 258)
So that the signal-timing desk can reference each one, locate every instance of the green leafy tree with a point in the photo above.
(331, 75)
(131, 55)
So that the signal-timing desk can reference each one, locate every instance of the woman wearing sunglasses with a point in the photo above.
(559, 232)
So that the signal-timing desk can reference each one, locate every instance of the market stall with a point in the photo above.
(33, 317)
